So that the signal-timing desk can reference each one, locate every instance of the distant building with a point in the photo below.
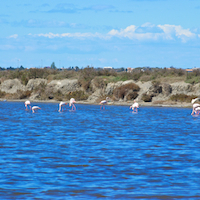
(107, 67)
(196, 68)
(189, 70)
(129, 69)
(145, 69)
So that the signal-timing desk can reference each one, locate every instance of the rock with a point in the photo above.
(144, 88)
(95, 96)
(196, 90)
(98, 83)
(127, 82)
(166, 89)
(109, 89)
(111, 86)
(157, 91)
(34, 83)
(12, 86)
(34, 97)
(181, 88)
(160, 97)
(64, 86)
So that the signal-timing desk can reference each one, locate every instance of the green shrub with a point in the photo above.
(99, 82)
(193, 80)
(24, 79)
(193, 77)
(18, 95)
(24, 94)
(145, 78)
(157, 88)
(167, 88)
(77, 95)
(40, 88)
(57, 95)
(2, 94)
(182, 98)
(85, 77)
(132, 96)
(122, 91)
(146, 97)
(106, 72)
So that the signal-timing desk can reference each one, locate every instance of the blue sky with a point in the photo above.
(128, 33)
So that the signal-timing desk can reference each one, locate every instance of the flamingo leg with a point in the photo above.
(73, 107)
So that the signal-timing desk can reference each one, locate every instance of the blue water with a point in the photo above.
(94, 154)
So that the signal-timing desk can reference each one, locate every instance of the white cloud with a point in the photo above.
(144, 32)
(71, 35)
(130, 32)
(6, 47)
(168, 32)
(13, 36)
(127, 32)
(181, 33)
(102, 60)
(29, 48)
(147, 24)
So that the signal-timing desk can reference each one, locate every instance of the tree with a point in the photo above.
(76, 68)
(53, 66)
(21, 68)
(10, 68)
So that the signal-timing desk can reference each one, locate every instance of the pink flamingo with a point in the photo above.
(71, 103)
(135, 106)
(61, 106)
(104, 102)
(34, 108)
(197, 110)
(27, 103)
(196, 106)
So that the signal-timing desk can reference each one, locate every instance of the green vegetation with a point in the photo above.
(128, 90)
(53, 66)
(193, 77)
(91, 78)
(182, 98)
(87, 74)
(78, 95)
(146, 97)
(19, 95)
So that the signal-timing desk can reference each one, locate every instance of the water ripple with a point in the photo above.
(93, 154)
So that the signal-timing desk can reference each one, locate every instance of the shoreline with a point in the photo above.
(117, 103)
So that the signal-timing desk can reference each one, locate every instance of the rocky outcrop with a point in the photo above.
(181, 87)
(195, 90)
(64, 86)
(35, 83)
(99, 88)
(111, 86)
(95, 95)
(12, 86)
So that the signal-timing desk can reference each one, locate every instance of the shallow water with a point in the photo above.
(94, 154)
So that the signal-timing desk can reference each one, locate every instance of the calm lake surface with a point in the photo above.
(94, 154)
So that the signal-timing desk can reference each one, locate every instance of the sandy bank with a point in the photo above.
(118, 103)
